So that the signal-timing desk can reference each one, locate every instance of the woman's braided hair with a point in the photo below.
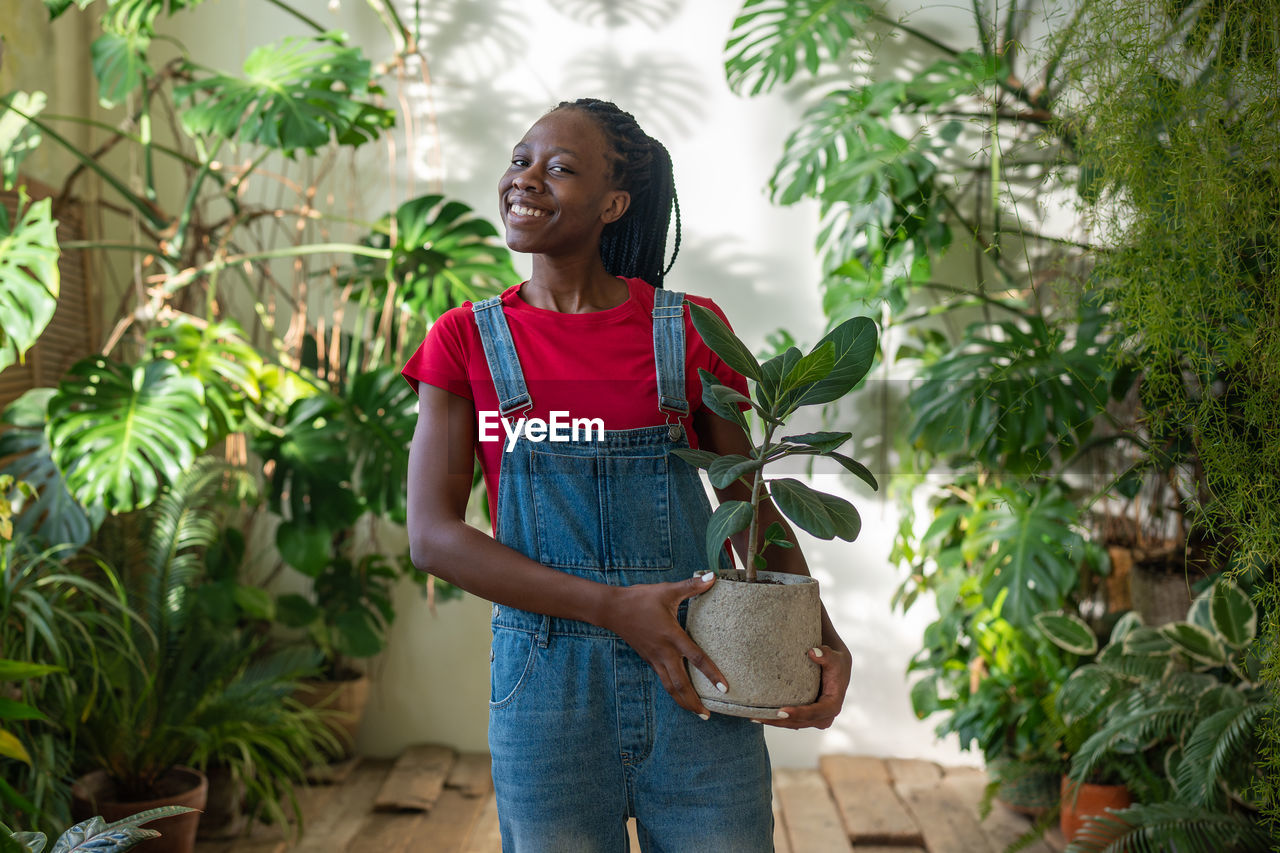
(635, 246)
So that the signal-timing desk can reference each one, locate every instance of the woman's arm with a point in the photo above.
(442, 543)
(720, 436)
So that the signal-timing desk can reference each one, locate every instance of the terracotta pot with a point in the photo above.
(759, 634)
(224, 815)
(343, 703)
(95, 793)
(1088, 800)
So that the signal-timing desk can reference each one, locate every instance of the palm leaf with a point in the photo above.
(122, 432)
(769, 36)
(1219, 745)
(1162, 827)
(28, 276)
(300, 93)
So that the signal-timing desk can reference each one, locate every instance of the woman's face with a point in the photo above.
(558, 194)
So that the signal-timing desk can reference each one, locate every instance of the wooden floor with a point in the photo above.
(432, 800)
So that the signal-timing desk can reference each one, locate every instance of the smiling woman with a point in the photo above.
(599, 538)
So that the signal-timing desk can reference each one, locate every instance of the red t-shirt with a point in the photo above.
(593, 365)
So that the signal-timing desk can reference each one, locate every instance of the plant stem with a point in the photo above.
(757, 491)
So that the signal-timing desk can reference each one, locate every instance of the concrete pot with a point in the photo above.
(759, 634)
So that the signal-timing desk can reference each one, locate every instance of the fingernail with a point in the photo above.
(705, 716)
(817, 653)
(708, 576)
(722, 687)
(757, 722)
(783, 715)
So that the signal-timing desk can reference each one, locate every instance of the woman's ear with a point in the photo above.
(617, 203)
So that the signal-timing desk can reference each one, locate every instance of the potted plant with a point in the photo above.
(1172, 712)
(185, 692)
(93, 834)
(758, 631)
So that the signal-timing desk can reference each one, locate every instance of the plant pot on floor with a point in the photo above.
(759, 634)
(1079, 802)
(224, 815)
(95, 794)
(342, 702)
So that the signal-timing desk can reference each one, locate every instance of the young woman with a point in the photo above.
(572, 388)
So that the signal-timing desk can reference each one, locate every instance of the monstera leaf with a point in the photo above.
(119, 63)
(384, 412)
(769, 36)
(1024, 541)
(28, 277)
(299, 93)
(122, 432)
(225, 363)
(309, 457)
(55, 515)
(18, 136)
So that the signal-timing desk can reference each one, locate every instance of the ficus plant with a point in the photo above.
(782, 385)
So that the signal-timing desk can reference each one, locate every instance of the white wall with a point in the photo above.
(496, 66)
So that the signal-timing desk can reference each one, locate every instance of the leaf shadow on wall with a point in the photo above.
(663, 92)
(471, 40)
(619, 13)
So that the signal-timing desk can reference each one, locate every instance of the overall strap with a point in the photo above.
(500, 353)
(668, 351)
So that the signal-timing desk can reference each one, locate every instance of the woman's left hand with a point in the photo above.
(837, 668)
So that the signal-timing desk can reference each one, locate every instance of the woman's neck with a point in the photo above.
(578, 288)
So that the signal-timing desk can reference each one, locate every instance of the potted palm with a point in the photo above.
(758, 630)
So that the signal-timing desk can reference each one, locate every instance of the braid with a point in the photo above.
(635, 246)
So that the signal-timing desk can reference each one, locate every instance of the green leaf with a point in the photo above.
(1147, 642)
(218, 355)
(771, 38)
(721, 399)
(96, 835)
(730, 467)
(358, 634)
(28, 277)
(854, 348)
(383, 412)
(696, 458)
(303, 546)
(295, 611)
(13, 670)
(122, 432)
(813, 367)
(1195, 642)
(1068, 632)
(771, 373)
(823, 442)
(18, 136)
(853, 466)
(1124, 625)
(55, 515)
(723, 342)
(729, 518)
(300, 93)
(822, 515)
(1233, 614)
(120, 64)
(11, 709)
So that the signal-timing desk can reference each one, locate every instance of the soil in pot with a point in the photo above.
(759, 634)
(1089, 799)
(95, 793)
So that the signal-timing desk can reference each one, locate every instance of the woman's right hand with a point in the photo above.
(645, 616)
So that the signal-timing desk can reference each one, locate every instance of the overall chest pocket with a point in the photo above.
(602, 511)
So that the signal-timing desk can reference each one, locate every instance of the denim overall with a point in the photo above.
(581, 731)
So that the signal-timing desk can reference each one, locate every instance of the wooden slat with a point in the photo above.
(1001, 826)
(333, 829)
(485, 835)
(913, 771)
(946, 824)
(387, 832)
(633, 838)
(471, 775)
(447, 826)
(416, 780)
(813, 822)
(869, 807)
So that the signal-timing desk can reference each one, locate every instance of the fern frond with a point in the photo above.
(1218, 744)
(1162, 827)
